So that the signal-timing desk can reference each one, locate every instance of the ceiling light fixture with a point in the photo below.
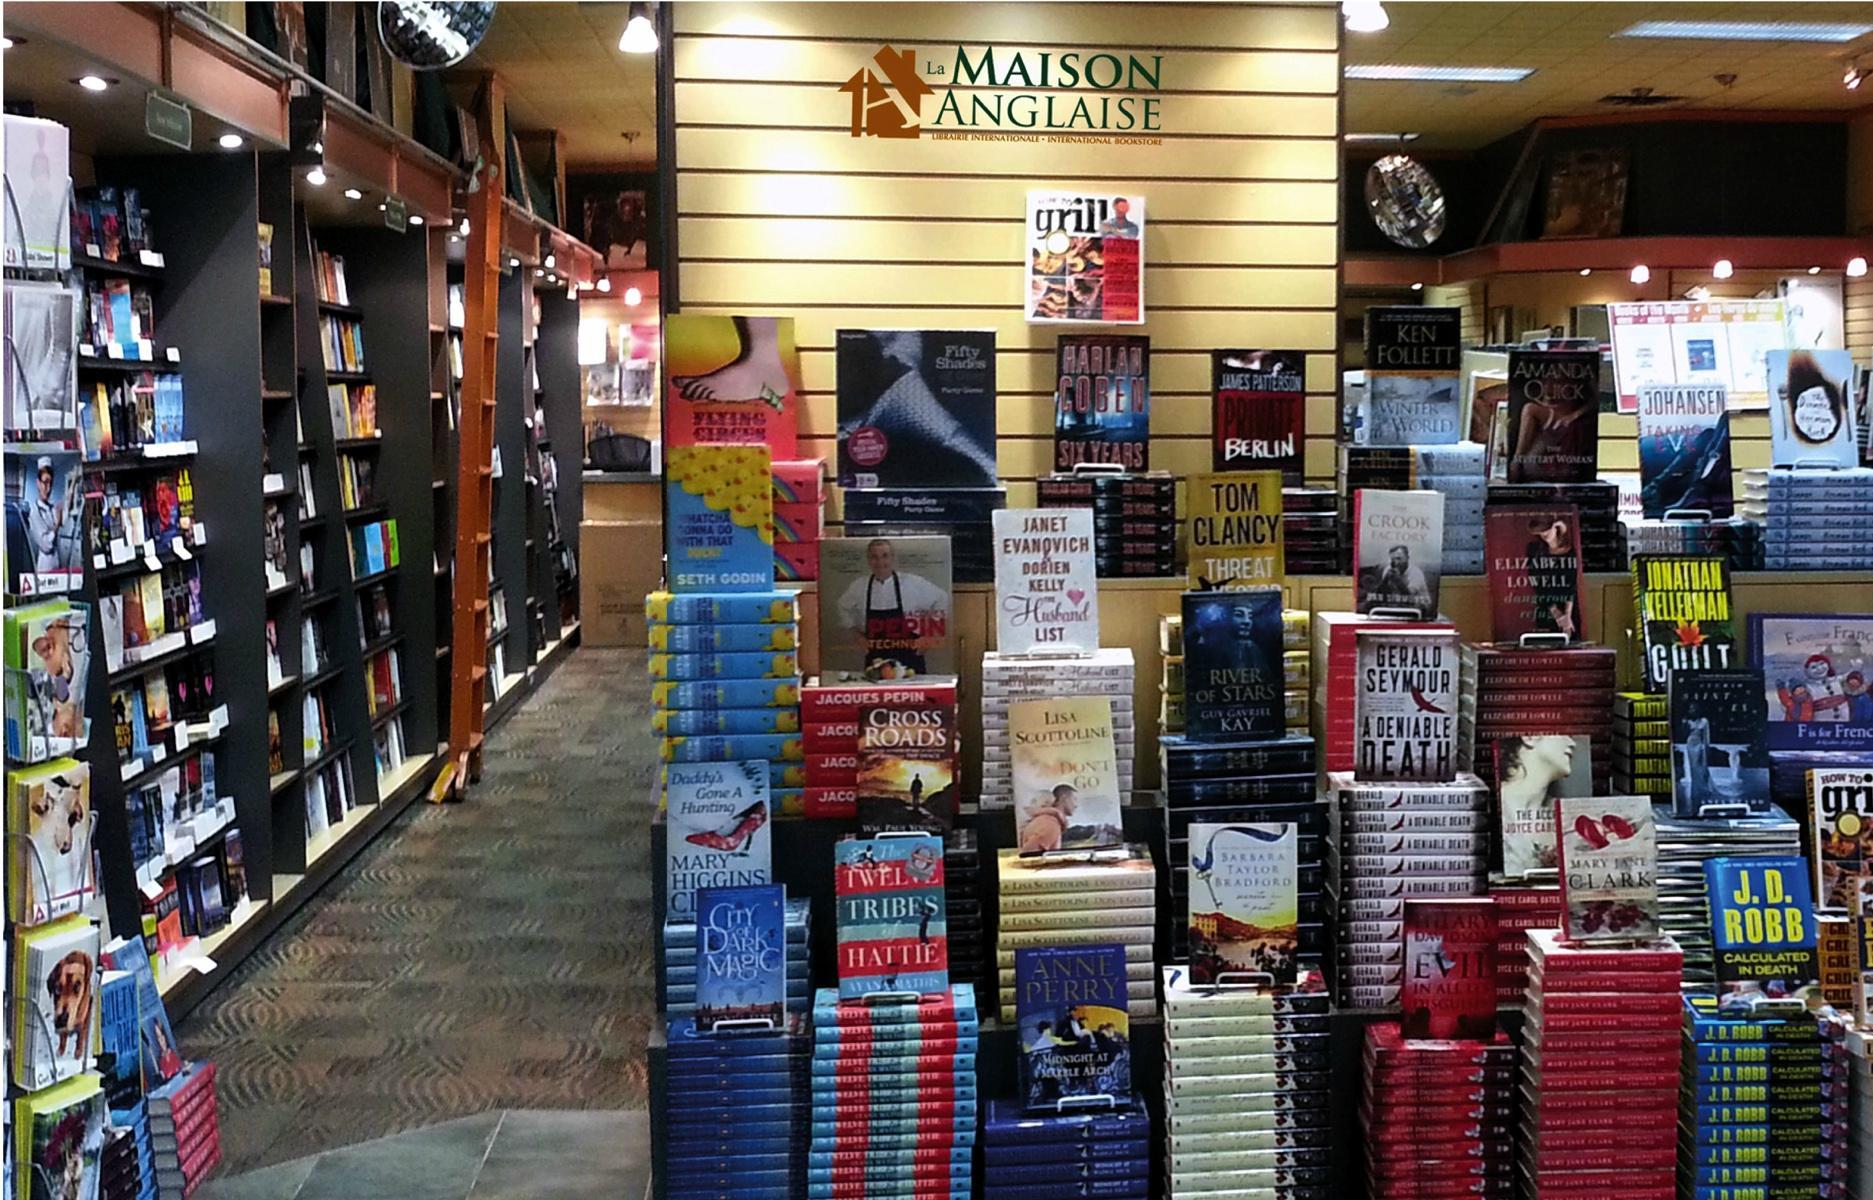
(1641, 274)
(231, 141)
(1586, 271)
(513, 262)
(1380, 139)
(604, 283)
(455, 237)
(316, 177)
(1723, 268)
(6, 43)
(551, 260)
(1856, 266)
(416, 218)
(633, 296)
(353, 194)
(464, 226)
(539, 272)
(1422, 74)
(1814, 270)
(639, 36)
(1364, 16)
(93, 83)
(1747, 31)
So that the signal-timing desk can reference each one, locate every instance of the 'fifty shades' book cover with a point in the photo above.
(1244, 901)
(1075, 1028)
(1233, 673)
(741, 954)
(890, 915)
(916, 407)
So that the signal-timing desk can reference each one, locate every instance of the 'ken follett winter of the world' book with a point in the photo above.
(1412, 360)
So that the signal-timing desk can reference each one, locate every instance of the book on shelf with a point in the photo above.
(718, 829)
(916, 407)
(42, 382)
(51, 870)
(1840, 829)
(329, 277)
(388, 749)
(1102, 401)
(264, 233)
(888, 611)
(1684, 449)
(1608, 855)
(908, 760)
(1244, 901)
(276, 673)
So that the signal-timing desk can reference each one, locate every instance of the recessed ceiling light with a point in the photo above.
(538, 272)
(230, 141)
(513, 262)
(551, 260)
(7, 43)
(633, 296)
(1723, 268)
(1641, 274)
(93, 83)
(1856, 267)
(1422, 74)
(1586, 271)
(604, 283)
(416, 218)
(1747, 31)
(316, 177)
(1379, 139)
(1364, 16)
(353, 194)
(1417, 287)
(1814, 270)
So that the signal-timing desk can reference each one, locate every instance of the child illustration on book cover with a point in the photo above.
(1818, 679)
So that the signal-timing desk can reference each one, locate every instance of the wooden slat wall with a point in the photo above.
(781, 211)
(1467, 298)
(1859, 296)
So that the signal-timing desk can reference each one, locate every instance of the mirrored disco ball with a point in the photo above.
(431, 34)
(1405, 201)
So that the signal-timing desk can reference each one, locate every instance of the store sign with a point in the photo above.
(168, 120)
(396, 213)
(1001, 93)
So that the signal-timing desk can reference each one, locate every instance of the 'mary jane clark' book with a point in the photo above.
(1609, 867)
(890, 915)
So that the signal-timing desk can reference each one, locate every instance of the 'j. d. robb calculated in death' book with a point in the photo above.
(1682, 609)
(718, 832)
(1233, 675)
(1762, 924)
(1235, 530)
(892, 933)
(1102, 401)
(1070, 1008)
(1259, 419)
(1609, 867)
(1449, 989)
(1405, 705)
(1244, 902)
(741, 955)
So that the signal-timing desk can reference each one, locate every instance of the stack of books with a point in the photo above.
(118, 1167)
(679, 961)
(1813, 520)
(1394, 842)
(1104, 1152)
(1335, 678)
(1641, 745)
(1798, 1135)
(1602, 539)
(1297, 673)
(1683, 846)
(185, 1129)
(799, 517)
(1439, 1115)
(1454, 471)
(1599, 1081)
(1858, 1113)
(1106, 673)
(1310, 531)
(832, 716)
(727, 683)
(735, 1104)
(1171, 679)
(1101, 898)
(1736, 538)
(963, 515)
(894, 1096)
(1246, 1084)
(1134, 519)
(1520, 907)
(962, 904)
(1521, 693)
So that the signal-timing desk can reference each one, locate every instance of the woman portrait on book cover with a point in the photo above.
(1531, 772)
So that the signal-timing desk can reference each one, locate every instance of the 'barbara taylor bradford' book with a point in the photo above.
(1681, 607)
(1398, 550)
(1719, 756)
(721, 519)
(886, 609)
(1235, 530)
(1817, 678)
(1244, 901)
(1554, 416)
(890, 915)
(741, 955)
(1840, 825)
(1684, 449)
(1609, 867)
(907, 758)
(916, 408)
(717, 830)
(1258, 418)
(1102, 401)
(1762, 925)
(1537, 583)
(1405, 705)
(1064, 760)
(1233, 675)
(1074, 1025)
(1412, 360)
(1449, 988)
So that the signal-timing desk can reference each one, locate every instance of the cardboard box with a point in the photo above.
(623, 499)
(620, 562)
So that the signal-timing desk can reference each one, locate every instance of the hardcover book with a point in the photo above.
(1405, 705)
(1681, 605)
(1075, 1028)
(1762, 925)
(1244, 902)
(1840, 826)
(733, 381)
(1102, 401)
(1554, 416)
(1532, 772)
(1398, 550)
(1537, 583)
(1449, 988)
(1719, 752)
(1233, 675)
(1811, 408)
(1066, 776)
(916, 407)
(1086, 258)
(717, 830)
(1258, 411)
(1609, 868)
(1046, 587)
(1235, 530)
(907, 758)
(58, 1141)
(885, 609)
(890, 916)
(1684, 449)
(720, 503)
(1412, 360)
(741, 955)
(1817, 678)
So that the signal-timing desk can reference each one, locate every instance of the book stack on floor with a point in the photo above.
(962, 900)
(185, 1130)
(799, 517)
(832, 716)
(1005, 679)
(724, 690)
(1735, 538)
(1798, 1137)
(1683, 846)
(1134, 519)
(1101, 897)
(894, 1097)
(1062, 1155)
(735, 1105)
(118, 1168)
(1641, 746)
(1310, 531)
(1335, 678)
(963, 515)
(1438, 1115)
(1813, 520)
(1246, 1089)
(1602, 539)
(679, 961)
(1524, 693)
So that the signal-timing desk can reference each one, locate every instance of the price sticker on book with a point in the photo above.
(147, 884)
(113, 350)
(172, 354)
(150, 258)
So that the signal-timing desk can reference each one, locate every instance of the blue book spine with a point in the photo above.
(765, 637)
(703, 722)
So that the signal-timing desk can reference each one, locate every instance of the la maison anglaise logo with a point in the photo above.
(1055, 94)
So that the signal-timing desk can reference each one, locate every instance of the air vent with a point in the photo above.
(1641, 97)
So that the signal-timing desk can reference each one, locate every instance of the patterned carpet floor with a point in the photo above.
(489, 954)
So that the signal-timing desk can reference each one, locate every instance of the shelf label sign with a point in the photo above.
(168, 120)
(396, 214)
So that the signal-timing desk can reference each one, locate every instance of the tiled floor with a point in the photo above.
(488, 956)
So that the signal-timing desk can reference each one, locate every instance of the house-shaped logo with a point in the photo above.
(889, 104)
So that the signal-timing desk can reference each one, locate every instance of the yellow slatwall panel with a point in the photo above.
(1860, 317)
(1467, 299)
(780, 210)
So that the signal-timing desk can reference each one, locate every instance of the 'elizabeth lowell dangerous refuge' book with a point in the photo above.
(1609, 867)
(1762, 924)
(1235, 530)
(1233, 674)
(1681, 604)
(1258, 419)
(1449, 989)
(1102, 401)
(916, 407)
(1405, 705)
(1412, 360)
(907, 758)
(1719, 750)
(892, 932)
(718, 833)
(1537, 583)
(741, 954)
(1244, 901)
(1075, 1029)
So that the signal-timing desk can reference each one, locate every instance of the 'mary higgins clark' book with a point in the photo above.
(890, 915)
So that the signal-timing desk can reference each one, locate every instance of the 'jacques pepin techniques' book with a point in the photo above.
(1719, 751)
(885, 609)
(1235, 530)
(1244, 901)
(1609, 867)
(1066, 777)
(1075, 1028)
(1102, 401)
(741, 955)
(721, 519)
(1762, 924)
(907, 756)
(1449, 989)
(1405, 705)
(1398, 550)
(1233, 673)
(916, 407)
(1258, 416)
(1537, 583)
(890, 915)
(1840, 826)
(1681, 607)
(1554, 416)
(1817, 678)
(1684, 449)
(717, 829)
(1412, 360)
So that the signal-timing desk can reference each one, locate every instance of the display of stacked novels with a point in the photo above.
(799, 517)
(1310, 531)
(1439, 1116)
(1599, 1081)
(1297, 673)
(1736, 538)
(1336, 678)
(1005, 680)
(1641, 746)
(1523, 693)
(1601, 535)
(1765, 1102)
(966, 924)
(1859, 1115)
(677, 989)
(139, 414)
(354, 409)
(185, 1129)
(1683, 845)
(1246, 1089)
(138, 522)
(894, 1100)
(960, 514)
(1134, 519)
(1813, 520)
(1060, 1155)
(1455, 471)
(833, 720)
(110, 223)
(1095, 898)
(735, 1109)
(1520, 907)
(1269, 782)
(1392, 842)
(120, 1174)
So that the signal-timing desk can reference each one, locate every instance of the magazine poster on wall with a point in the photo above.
(1085, 258)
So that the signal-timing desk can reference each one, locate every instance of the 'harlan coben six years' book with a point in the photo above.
(1235, 530)
(1102, 401)
(1258, 418)
(1537, 583)
(1075, 1028)
(916, 407)
(1554, 416)
(907, 757)
(1763, 927)
(1405, 705)
(1412, 360)
(1684, 449)
(890, 915)
(1244, 902)
(1233, 673)
(741, 955)
(1720, 757)
(718, 832)
(1449, 989)
(1398, 550)
(1609, 867)
(1840, 825)
(1681, 605)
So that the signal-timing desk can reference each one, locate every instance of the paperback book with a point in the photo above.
(1398, 551)
(732, 381)
(718, 831)
(916, 408)
(1235, 530)
(1817, 679)
(890, 916)
(1537, 582)
(1244, 902)
(54, 990)
(1840, 826)
(886, 611)
(1763, 928)
(720, 504)
(1102, 402)
(1085, 258)
(1811, 408)
(1609, 868)
(1405, 705)
(1682, 611)
(907, 758)
(1412, 360)
(741, 956)
(1449, 988)
(1066, 776)
(1258, 413)
(1233, 665)
(1684, 449)
(1532, 772)
(1719, 751)
(1046, 585)
(1075, 1028)
(1554, 416)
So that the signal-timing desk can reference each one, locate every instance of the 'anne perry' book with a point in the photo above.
(1719, 750)
(1244, 901)
(1762, 925)
(1075, 1027)
(1681, 608)
(1536, 580)
(1449, 990)
(1609, 867)
(907, 766)
(890, 915)
(1233, 675)
(741, 955)
(1258, 418)
(1405, 705)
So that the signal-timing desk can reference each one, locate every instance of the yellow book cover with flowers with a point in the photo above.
(720, 531)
